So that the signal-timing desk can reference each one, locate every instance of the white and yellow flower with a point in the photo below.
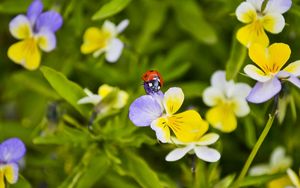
(279, 162)
(104, 40)
(118, 102)
(160, 113)
(269, 75)
(258, 20)
(198, 147)
(36, 31)
(228, 100)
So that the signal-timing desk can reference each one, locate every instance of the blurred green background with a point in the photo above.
(186, 41)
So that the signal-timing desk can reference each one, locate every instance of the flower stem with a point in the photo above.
(255, 150)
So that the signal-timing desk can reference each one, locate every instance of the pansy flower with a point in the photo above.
(228, 100)
(198, 147)
(258, 20)
(279, 162)
(159, 111)
(117, 102)
(11, 151)
(269, 74)
(36, 30)
(104, 40)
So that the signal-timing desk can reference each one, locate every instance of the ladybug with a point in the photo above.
(152, 81)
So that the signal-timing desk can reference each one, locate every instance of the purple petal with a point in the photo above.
(12, 150)
(263, 91)
(294, 80)
(50, 20)
(34, 10)
(144, 110)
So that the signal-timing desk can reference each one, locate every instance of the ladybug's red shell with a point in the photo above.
(151, 75)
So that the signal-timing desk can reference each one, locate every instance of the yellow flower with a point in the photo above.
(228, 100)
(250, 12)
(104, 40)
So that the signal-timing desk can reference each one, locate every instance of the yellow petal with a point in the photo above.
(10, 174)
(293, 68)
(273, 23)
(258, 54)
(20, 27)
(280, 182)
(162, 130)
(2, 185)
(279, 53)
(188, 126)
(222, 117)
(173, 99)
(245, 12)
(121, 100)
(94, 39)
(104, 90)
(25, 53)
(252, 33)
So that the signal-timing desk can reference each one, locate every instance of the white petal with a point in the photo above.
(46, 40)
(110, 27)
(212, 96)
(162, 131)
(241, 107)
(263, 91)
(178, 153)
(20, 27)
(293, 68)
(207, 154)
(241, 90)
(173, 100)
(279, 160)
(88, 92)
(208, 139)
(218, 80)
(274, 23)
(114, 50)
(246, 12)
(94, 99)
(122, 25)
(261, 169)
(293, 177)
(256, 3)
(278, 6)
(294, 80)
(256, 74)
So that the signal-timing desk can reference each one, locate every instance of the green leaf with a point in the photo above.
(65, 135)
(190, 18)
(153, 21)
(36, 83)
(110, 9)
(236, 59)
(67, 89)
(92, 167)
(225, 182)
(138, 169)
